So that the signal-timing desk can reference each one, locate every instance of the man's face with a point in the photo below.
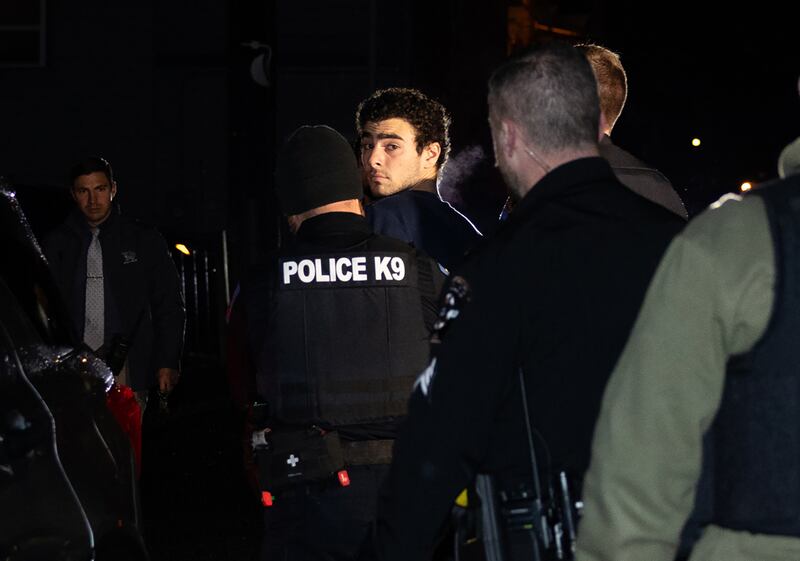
(93, 194)
(390, 158)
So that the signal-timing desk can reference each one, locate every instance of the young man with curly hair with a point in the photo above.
(404, 147)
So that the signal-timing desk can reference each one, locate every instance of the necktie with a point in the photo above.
(93, 329)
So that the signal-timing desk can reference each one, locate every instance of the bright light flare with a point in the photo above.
(696, 142)
(183, 249)
(745, 187)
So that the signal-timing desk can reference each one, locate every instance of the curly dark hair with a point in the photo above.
(430, 119)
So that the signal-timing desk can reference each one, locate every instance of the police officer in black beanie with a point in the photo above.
(339, 330)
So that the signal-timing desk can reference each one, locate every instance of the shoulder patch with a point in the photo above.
(456, 296)
(423, 382)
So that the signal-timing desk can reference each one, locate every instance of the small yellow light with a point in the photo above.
(695, 142)
(746, 186)
(183, 249)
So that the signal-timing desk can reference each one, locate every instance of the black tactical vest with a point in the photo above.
(756, 434)
(347, 336)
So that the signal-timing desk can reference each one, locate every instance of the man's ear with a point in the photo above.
(603, 128)
(430, 155)
(509, 137)
(113, 190)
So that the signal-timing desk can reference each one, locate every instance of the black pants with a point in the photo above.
(323, 522)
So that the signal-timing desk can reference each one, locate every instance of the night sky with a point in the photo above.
(728, 78)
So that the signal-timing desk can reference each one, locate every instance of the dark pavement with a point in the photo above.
(195, 499)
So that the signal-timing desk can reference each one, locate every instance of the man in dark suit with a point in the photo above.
(119, 281)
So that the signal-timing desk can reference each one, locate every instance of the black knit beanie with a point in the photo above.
(315, 167)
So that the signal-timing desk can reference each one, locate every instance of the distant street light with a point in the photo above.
(746, 186)
(183, 249)
(695, 142)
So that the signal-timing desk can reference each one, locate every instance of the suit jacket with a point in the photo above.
(143, 299)
(641, 178)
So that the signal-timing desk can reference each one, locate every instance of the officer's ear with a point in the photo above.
(113, 190)
(430, 155)
(603, 127)
(508, 138)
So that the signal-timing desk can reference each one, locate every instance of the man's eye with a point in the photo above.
(366, 147)
(392, 147)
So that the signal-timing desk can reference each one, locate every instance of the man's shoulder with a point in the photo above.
(730, 221)
(496, 259)
(380, 242)
(398, 200)
(64, 235)
(407, 202)
(136, 224)
(642, 178)
(619, 157)
(144, 232)
(617, 204)
(389, 214)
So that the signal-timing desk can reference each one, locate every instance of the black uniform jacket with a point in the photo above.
(555, 293)
(338, 325)
(140, 281)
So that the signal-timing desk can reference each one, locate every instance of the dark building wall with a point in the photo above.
(163, 90)
(144, 85)
(332, 54)
(191, 113)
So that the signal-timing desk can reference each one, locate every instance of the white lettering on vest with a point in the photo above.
(344, 269)
(382, 268)
(343, 275)
(305, 270)
(289, 269)
(399, 268)
(360, 269)
(321, 277)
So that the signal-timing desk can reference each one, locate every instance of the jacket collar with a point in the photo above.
(563, 180)
(77, 222)
(332, 224)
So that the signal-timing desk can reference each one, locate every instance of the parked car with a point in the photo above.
(68, 488)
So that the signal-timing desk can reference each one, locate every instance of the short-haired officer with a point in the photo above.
(340, 326)
(549, 300)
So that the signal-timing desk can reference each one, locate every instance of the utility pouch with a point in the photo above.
(290, 456)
